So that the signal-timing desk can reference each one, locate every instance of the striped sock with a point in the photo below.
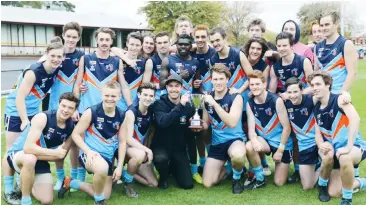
(322, 182)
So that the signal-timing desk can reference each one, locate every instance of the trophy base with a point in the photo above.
(195, 127)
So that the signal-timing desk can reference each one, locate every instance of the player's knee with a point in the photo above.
(279, 181)
(153, 183)
(334, 192)
(140, 157)
(249, 147)
(345, 160)
(327, 159)
(101, 170)
(307, 186)
(46, 200)
(207, 183)
(160, 158)
(30, 160)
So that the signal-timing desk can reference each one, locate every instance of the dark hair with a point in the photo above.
(257, 22)
(105, 30)
(55, 43)
(327, 78)
(135, 35)
(261, 41)
(219, 30)
(185, 36)
(293, 81)
(161, 34)
(220, 68)
(257, 74)
(72, 26)
(70, 97)
(285, 35)
(148, 85)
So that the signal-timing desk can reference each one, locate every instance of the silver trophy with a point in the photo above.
(196, 101)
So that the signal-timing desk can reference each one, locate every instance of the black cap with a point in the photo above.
(174, 78)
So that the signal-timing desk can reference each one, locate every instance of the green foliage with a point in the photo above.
(38, 4)
(161, 15)
(270, 36)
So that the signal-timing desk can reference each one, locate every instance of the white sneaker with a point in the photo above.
(266, 171)
(57, 185)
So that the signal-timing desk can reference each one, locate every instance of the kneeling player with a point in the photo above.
(45, 139)
(105, 129)
(267, 116)
(138, 154)
(339, 141)
(223, 111)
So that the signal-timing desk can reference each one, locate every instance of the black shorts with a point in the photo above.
(82, 160)
(286, 157)
(42, 167)
(219, 151)
(309, 156)
(336, 164)
(12, 123)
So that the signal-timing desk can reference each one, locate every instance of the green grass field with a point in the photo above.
(221, 194)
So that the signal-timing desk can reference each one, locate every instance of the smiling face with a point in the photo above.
(255, 51)
(174, 88)
(146, 97)
(257, 86)
(290, 27)
(54, 57)
(255, 31)
(134, 46)
(162, 44)
(294, 93)
(219, 81)
(71, 38)
(104, 41)
(316, 33)
(320, 89)
(184, 46)
(66, 109)
(284, 47)
(218, 42)
(110, 97)
(148, 45)
(201, 38)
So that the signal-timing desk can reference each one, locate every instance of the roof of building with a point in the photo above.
(58, 18)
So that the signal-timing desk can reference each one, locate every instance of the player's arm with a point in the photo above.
(231, 118)
(247, 70)
(316, 61)
(80, 129)
(273, 80)
(354, 122)
(251, 123)
(149, 135)
(164, 72)
(165, 118)
(283, 117)
(266, 74)
(148, 71)
(124, 86)
(308, 70)
(79, 78)
(24, 89)
(318, 136)
(350, 58)
(39, 122)
(205, 118)
(130, 120)
(309, 55)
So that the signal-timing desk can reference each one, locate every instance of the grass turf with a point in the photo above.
(221, 194)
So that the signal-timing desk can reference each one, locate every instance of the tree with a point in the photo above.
(38, 4)
(236, 19)
(310, 13)
(161, 15)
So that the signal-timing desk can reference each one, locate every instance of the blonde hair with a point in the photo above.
(180, 19)
(221, 68)
(112, 85)
(257, 74)
(105, 30)
(55, 43)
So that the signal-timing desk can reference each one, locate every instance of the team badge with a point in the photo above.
(183, 120)
(304, 111)
(268, 111)
(109, 67)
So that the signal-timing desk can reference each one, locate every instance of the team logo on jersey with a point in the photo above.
(268, 111)
(92, 65)
(210, 109)
(63, 137)
(43, 85)
(225, 107)
(75, 61)
(139, 120)
(294, 72)
(158, 67)
(318, 119)
(116, 125)
(334, 52)
(320, 52)
(49, 133)
(99, 125)
(138, 70)
(109, 67)
(290, 110)
(183, 120)
(179, 66)
(255, 112)
(100, 119)
(304, 111)
(231, 66)
(331, 114)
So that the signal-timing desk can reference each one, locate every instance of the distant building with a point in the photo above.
(25, 31)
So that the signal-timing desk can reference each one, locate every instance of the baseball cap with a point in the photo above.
(174, 78)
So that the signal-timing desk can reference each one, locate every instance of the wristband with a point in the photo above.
(281, 148)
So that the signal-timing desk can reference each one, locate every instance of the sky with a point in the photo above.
(274, 13)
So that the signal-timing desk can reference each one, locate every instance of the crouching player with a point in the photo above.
(138, 154)
(46, 139)
(339, 141)
(105, 129)
(267, 116)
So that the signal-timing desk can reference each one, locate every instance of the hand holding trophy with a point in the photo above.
(196, 100)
